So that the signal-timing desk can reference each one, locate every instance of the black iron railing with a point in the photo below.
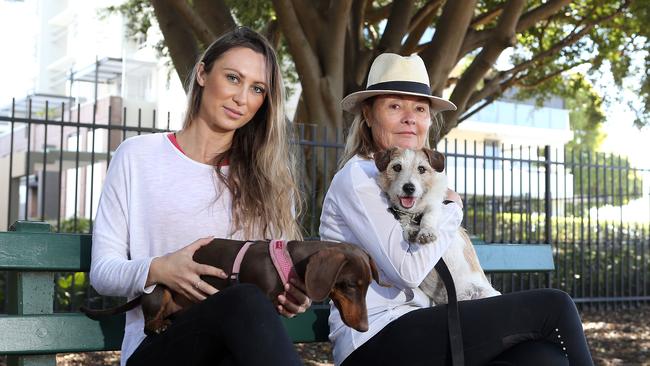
(53, 162)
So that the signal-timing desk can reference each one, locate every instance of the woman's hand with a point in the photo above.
(181, 273)
(293, 300)
(453, 196)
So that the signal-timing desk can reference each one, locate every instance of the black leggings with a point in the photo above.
(236, 326)
(537, 327)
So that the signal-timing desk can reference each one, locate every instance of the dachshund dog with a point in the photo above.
(342, 271)
(416, 188)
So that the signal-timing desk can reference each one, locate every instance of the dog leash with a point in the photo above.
(453, 315)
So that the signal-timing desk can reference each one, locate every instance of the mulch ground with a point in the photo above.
(619, 337)
(616, 337)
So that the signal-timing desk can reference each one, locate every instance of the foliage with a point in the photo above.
(549, 37)
(71, 225)
(607, 45)
(523, 219)
(138, 14)
(601, 179)
(70, 290)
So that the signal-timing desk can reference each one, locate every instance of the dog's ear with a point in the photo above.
(322, 271)
(375, 272)
(436, 159)
(382, 158)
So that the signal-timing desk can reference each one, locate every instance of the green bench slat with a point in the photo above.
(74, 332)
(45, 251)
(56, 333)
(71, 252)
(310, 326)
(497, 257)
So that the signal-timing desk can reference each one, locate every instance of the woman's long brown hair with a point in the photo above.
(262, 173)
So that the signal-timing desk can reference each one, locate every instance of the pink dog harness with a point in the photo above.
(281, 260)
(279, 256)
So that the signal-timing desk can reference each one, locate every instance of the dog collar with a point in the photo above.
(398, 214)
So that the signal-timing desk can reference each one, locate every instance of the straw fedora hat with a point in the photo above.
(394, 74)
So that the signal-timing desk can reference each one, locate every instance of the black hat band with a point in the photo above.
(403, 86)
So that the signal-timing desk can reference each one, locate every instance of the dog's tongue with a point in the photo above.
(407, 202)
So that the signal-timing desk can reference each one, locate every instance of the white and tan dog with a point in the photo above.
(416, 186)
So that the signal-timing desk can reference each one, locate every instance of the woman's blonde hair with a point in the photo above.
(360, 142)
(261, 178)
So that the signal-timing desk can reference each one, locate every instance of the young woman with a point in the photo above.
(228, 173)
(540, 327)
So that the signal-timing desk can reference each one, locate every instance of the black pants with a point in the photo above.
(537, 327)
(236, 326)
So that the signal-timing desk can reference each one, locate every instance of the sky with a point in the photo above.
(18, 42)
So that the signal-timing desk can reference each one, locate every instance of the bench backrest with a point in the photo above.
(32, 255)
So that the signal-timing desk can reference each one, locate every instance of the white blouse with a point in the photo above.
(356, 211)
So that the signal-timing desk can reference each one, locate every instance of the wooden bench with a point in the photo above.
(31, 334)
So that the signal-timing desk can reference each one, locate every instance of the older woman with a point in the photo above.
(538, 327)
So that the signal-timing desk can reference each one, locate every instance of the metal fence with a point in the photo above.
(53, 161)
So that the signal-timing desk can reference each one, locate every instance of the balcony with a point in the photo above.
(525, 115)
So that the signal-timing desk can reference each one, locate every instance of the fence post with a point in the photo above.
(548, 206)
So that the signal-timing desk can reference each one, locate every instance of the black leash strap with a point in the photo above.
(453, 316)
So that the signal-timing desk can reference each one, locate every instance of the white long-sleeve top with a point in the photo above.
(155, 200)
(356, 211)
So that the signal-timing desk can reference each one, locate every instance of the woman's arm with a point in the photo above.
(112, 272)
(355, 205)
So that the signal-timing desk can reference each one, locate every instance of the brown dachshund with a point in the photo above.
(340, 270)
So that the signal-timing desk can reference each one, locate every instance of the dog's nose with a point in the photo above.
(408, 188)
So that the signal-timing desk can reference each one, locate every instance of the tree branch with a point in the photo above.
(396, 27)
(376, 15)
(304, 56)
(200, 28)
(419, 24)
(272, 33)
(521, 84)
(504, 36)
(465, 116)
(495, 90)
(333, 61)
(487, 17)
(476, 39)
(179, 40)
(216, 14)
(567, 41)
(541, 12)
(356, 53)
(311, 23)
(440, 54)
(424, 13)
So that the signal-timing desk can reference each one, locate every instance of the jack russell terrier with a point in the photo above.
(416, 188)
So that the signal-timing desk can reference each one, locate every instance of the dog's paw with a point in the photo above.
(155, 327)
(484, 292)
(469, 294)
(426, 236)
